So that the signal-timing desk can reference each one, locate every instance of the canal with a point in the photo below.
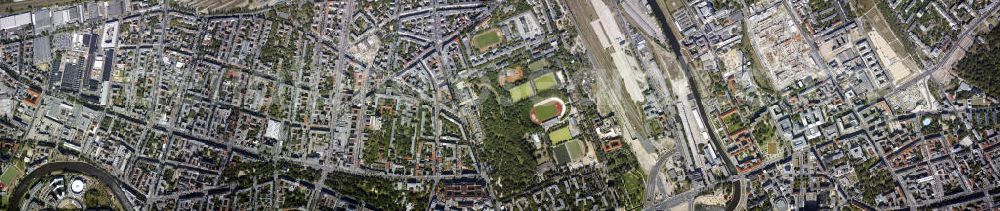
(675, 46)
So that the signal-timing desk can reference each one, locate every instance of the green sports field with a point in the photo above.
(11, 173)
(560, 135)
(546, 82)
(569, 151)
(521, 92)
(486, 39)
(547, 111)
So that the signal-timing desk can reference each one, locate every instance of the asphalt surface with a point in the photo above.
(29, 180)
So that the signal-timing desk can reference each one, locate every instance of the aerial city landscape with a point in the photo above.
(499, 105)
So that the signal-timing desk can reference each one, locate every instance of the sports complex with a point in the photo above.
(548, 109)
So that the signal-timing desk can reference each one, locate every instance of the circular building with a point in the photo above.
(77, 186)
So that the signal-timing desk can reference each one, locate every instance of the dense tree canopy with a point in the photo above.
(981, 67)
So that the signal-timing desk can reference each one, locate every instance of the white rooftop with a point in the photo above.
(14, 21)
(77, 186)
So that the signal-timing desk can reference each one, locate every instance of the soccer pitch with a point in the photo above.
(486, 39)
(521, 92)
(546, 82)
(560, 135)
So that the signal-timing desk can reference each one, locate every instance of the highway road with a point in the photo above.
(73, 166)
(686, 197)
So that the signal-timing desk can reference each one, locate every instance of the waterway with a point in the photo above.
(675, 46)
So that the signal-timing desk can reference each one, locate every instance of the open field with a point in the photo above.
(538, 65)
(897, 69)
(560, 135)
(485, 40)
(667, 62)
(8, 176)
(11, 173)
(521, 92)
(569, 151)
(863, 7)
(545, 82)
(880, 25)
(772, 148)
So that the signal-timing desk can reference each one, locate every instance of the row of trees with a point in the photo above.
(376, 191)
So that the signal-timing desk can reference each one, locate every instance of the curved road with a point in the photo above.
(81, 167)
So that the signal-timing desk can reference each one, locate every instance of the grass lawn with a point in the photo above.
(632, 183)
(11, 173)
(562, 154)
(538, 65)
(521, 92)
(772, 148)
(546, 82)
(8, 176)
(486, 39)
(569, 151)
(575, 148)
(733, 123)
(560, 135)
(547, 111)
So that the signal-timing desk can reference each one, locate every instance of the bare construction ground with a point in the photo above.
(881, 27)
(667, 62)
(892, 61)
